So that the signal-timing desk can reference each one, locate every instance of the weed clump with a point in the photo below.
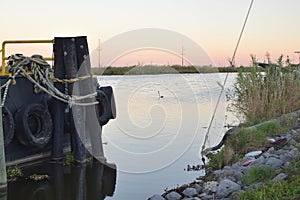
(13, 173)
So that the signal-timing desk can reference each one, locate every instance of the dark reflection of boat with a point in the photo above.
(93, 181)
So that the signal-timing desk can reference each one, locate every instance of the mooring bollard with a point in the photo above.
(3, 178)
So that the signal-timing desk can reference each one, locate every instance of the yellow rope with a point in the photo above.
(72, 80)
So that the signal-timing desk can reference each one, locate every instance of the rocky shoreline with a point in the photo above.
(226, 183)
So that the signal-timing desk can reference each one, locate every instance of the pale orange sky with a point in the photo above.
(213, 24)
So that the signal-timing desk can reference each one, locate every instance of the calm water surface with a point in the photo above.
(154, 139)
(151, 142)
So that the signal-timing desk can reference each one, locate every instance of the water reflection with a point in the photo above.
(93, 181)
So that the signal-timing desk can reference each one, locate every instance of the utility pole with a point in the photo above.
(3, 177)
(182, 56)
(99, 49)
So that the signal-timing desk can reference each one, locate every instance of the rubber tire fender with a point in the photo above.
(34, 126)
(8, 125)
(103, 111)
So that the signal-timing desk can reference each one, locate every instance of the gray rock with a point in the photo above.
(293, 142)
(230, 173)
(198, 187)
(237, 166)
(156, 197)
(279, 177)
(286, 157)
(232, 178)
(219, 173)
(238, 176)
(287, 164)
(266, 155)
(226, 187)
(173, 196)
(274, 162)
(293, 132)
(205, 196)
(210, 187)
(227, 168)
(255, 186)
(237, 194)
(271, 150)
(281, 151)
(259, 161)
(191, 198)
(294, 152)
(288, 137)
(189, 192)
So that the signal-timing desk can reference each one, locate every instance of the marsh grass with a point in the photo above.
(225, 156)
(282, 190)
(287, 189)
(272, 128)
(264, 95)
(245, 140)
(237, 145)
(258, 174)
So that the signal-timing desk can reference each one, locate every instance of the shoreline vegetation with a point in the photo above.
(163, 69)
(261, 158)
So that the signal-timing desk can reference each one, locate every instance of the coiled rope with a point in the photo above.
(39, 72)
(232, 63)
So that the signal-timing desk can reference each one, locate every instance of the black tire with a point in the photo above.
(112, 105)
(103, 110)
(8, 125)
(34, 126)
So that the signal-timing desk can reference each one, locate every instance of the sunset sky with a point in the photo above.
(273, 25)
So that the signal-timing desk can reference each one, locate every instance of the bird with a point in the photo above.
(159, 96)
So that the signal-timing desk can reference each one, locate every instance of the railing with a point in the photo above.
(4, 58)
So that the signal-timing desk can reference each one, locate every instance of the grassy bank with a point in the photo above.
(155, 69)
(260, 97)
(260, 177)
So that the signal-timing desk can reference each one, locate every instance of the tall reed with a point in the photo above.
(264, 95)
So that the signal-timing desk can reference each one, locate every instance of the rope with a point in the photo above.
(6, 85)
(240, 36)
(203, 150)
(43, 79)
(72, 80)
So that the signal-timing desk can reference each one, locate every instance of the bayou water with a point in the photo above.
(159, 130)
